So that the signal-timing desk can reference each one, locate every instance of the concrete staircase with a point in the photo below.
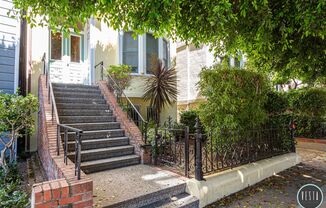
(172, 197)
(104, 144)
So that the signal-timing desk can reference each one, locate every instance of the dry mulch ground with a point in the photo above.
(32, 172)
(281, 189)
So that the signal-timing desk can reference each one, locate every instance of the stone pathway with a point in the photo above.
(281, 189)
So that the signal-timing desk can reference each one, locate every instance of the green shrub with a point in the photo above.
(276, 104)
(308, 107)
(16, 118)
(120, 74)
(308, 102)
(10, 184)
(188, 118)
(235, 98)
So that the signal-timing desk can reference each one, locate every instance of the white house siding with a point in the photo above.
(189, 62)
(9, 51)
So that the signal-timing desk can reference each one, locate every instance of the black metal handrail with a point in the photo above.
(66, 128)
(132, 111)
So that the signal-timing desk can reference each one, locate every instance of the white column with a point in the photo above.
(92, 45)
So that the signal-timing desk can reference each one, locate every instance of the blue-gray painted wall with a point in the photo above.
(9, 34)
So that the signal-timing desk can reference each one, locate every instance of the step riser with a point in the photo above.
(79, 100)
(78, 95)
(95, 145)
(84, 113)
(76, 90)
(74, 86)
(109, 166)
(97, 127)
(102, 155)
(151, 198)
(76, 106)
(70, 120)
(112, 134)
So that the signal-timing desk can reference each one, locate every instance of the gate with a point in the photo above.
(173, 147)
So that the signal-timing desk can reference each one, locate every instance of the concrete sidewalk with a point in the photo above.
(123, 184)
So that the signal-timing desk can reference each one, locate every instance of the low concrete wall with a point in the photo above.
(219, 185)
(314, 144)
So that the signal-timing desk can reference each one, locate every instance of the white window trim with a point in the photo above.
(17, 55)
(142, 52)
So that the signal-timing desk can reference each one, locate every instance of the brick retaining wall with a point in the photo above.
(129, 126)
(63, 189)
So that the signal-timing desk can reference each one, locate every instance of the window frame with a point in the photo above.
(81, 55)
(142, 51)
(62, 47)
(122, 51)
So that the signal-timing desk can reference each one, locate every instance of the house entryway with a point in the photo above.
(67, 55)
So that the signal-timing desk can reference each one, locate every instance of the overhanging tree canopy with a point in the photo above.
(286, 37)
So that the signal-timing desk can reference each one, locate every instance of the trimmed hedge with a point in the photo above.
(235, 98)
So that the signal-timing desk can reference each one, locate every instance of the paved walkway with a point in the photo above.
(121, 184)
(281, 189)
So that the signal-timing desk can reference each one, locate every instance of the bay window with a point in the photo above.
(130, 51)
(140, 53)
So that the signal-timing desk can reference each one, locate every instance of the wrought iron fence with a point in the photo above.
(201, 154)
(172, 148)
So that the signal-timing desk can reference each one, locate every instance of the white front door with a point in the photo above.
(67, 55)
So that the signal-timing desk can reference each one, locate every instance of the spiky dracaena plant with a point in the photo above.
(161, 87)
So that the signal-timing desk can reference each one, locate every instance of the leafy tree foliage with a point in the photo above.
(15, 115)
(286, 37)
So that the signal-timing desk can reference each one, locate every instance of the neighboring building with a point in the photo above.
(9, 49)
(71, 58)
(189, 62)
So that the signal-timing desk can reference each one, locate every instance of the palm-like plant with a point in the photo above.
(161, 87)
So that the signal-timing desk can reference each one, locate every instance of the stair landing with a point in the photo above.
(140, 186)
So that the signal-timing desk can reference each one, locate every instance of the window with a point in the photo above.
(130, 51)
(151, 114)
(151, 52)
(134, 115)
(165, 53)
(56, 46)
(75, 49)
(141, 53)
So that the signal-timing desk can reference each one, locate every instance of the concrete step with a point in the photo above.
(84, 112)
(100, 143)
(77, 90)
(73, 86)
(78, 95)
(103, 153)
(86, 119)
(76, 106)
(97, 134)
(80, 100)
(109, 163)
(96, 126)
(182, 200)
(155, 197)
